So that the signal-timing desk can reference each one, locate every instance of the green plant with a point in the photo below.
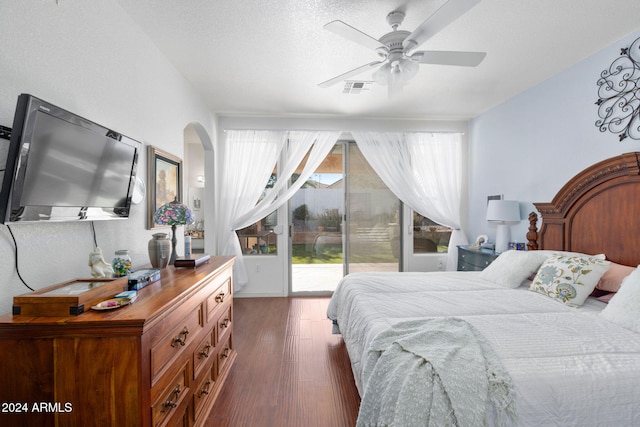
(301, 213)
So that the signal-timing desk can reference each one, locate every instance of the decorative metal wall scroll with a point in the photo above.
(619, 94)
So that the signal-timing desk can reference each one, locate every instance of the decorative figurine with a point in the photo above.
(99, 267)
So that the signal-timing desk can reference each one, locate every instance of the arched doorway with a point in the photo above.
(196, 143)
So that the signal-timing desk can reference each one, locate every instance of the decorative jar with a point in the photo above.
(159, 250)
(121, 263)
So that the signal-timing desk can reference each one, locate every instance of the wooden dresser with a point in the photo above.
(160, 361)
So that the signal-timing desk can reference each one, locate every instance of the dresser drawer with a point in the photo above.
(204, 388)
(181, 421)
(172, 399)
(474, 260)
(466, 267)
(224, 323)
(204, 352)
(183, 331)
(217, 298)
(462, 266)
(224, 354)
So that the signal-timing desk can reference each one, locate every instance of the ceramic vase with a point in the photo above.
(159, 250)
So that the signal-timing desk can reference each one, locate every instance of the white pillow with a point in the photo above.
(511, 268)
(624, 307)
(569, 279)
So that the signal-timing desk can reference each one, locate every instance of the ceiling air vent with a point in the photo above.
(356, 86)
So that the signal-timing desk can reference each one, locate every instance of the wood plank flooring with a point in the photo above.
(290, 370)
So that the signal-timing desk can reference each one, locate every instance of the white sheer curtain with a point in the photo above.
(249, 158)
(424, 170)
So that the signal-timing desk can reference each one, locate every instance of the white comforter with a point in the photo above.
(568, 366)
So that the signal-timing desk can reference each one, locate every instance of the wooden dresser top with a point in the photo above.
(175, 285)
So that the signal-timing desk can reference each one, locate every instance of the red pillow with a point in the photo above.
(612, 278)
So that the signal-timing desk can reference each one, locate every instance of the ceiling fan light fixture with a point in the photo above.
(381, 75)
(408, 69)
(396, 81)
(399, 71)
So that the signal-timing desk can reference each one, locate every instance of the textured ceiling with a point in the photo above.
(268, 56)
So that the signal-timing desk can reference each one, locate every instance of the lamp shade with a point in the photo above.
(503, 210)
(173, 213)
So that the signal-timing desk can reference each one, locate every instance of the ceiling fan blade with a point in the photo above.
(353, 34)
(444, 57)
(348, 74)
(448, 12)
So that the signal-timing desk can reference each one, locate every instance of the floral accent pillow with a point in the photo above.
(569, 279)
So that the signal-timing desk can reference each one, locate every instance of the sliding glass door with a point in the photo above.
(343, 219)
(315, 230)
(373, 218)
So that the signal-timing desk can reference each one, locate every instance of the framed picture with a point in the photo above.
(164, 181)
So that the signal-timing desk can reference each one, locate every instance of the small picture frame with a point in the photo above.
(164, 183)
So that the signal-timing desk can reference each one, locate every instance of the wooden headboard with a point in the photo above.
(597, 211)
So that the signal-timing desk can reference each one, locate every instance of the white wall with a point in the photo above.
(89, 58)
(529, 146)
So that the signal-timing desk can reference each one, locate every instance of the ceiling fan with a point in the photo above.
(399, 63)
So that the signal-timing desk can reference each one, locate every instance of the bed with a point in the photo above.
(547, 336)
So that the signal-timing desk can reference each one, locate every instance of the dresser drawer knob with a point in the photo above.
(169, 403)
(205, 389)
(205, 351)
(220, 297)
(181, 338)
(225, 323)
(225, 353)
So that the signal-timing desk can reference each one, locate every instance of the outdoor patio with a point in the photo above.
(325, 277)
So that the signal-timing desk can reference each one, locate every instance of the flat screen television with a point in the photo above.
(62, 167)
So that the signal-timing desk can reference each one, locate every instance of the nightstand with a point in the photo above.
(474, 259)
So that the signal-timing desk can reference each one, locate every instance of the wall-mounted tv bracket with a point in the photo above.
(5, 132)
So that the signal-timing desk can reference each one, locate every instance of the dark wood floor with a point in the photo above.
(290, 370)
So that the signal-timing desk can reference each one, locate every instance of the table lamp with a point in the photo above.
(173, 213)
(502, 212)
